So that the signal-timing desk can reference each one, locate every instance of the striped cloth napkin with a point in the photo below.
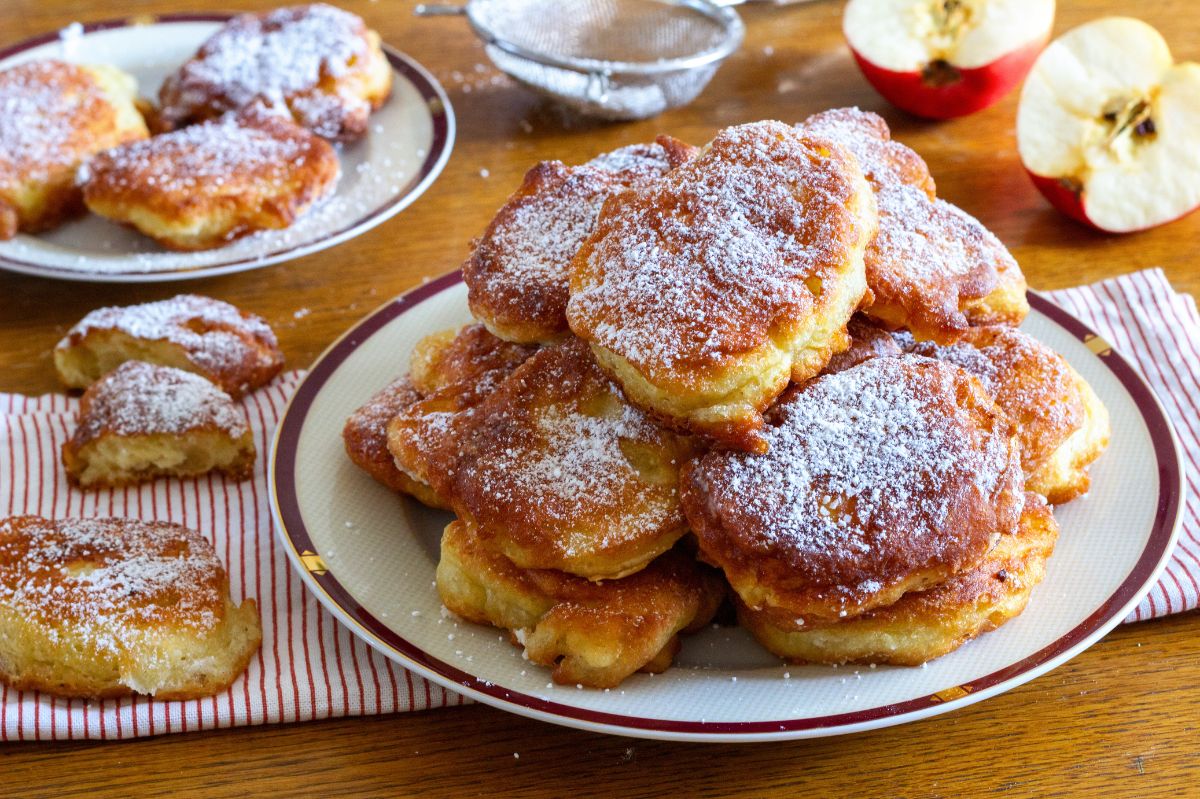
(1158, 330)
(310, 667)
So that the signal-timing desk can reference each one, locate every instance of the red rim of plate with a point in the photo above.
(436, 100)
(296, 538)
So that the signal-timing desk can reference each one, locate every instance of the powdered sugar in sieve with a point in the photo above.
(615, 59)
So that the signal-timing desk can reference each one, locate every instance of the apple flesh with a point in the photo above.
(946, 58)
(1108, 127)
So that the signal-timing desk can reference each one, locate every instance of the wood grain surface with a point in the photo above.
(1120, 720)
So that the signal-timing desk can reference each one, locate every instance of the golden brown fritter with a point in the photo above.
(888, 477)
(470, 354)
(933, 268)
(1063, 425)
(365, 438)
(590, 633)
(463, 366)
(553, 467)
(320, 64)
(55, 116)
(928, 624)
(209, 184)
(704, 293)
(140, 421)
(234, 349)
(518, 273)
(110, 607)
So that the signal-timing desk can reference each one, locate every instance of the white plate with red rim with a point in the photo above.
(369, 555)
(407, 144)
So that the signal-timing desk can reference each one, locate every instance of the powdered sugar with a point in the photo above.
(213, 333)
(858, 434)
(42, 106)
(576, 463)
(634, 164)
(981, 363)
(869, 466)
(69, 39)
(1028, 380)
(557, 460)
(932, 240)
(543, 232)
(929, 256)
(138, 398)
(519, 270)
(866, 135)
(209, 158)
(698, 265)
(108, 582)
(273, 58)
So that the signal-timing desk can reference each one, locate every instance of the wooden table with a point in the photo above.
(1120, 719)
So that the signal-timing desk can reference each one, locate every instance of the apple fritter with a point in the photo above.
(464, 364)
(141, 421)
(319, 64)
(55, 116)
(705, 292)
(211, 183)
(932, 267)
(236, 350)
(590, 633)
(109, 607)
(927, 624)
(517, 275)
(888, 477)
(1063, 425)
(553, 468)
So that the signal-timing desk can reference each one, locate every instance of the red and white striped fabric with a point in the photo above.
(1158, 330)
(310, 667)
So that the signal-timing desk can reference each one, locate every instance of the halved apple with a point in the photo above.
(1109, 127)
(946, 58)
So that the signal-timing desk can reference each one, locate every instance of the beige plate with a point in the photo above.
(369, 555)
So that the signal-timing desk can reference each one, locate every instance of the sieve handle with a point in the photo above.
(439, 10)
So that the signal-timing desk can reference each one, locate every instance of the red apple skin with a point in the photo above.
(978, 88)
(1064, 199)
(1071, 204)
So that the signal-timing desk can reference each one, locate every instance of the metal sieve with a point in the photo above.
(614, 59)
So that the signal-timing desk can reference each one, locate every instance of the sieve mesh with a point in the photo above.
(624, 31)
(629, 97)
(617, 59)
